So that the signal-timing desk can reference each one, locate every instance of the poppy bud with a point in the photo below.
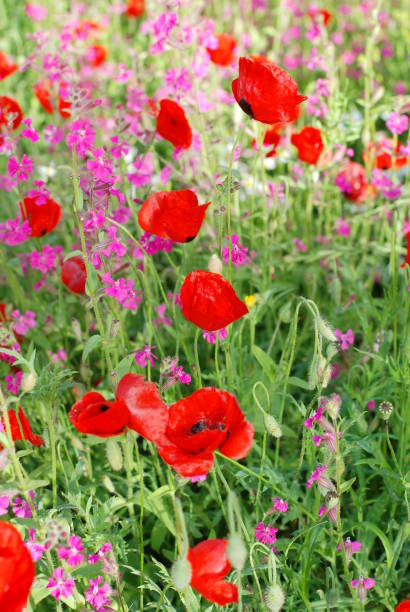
(325, 330)
(28, 382)
(386, 410)
(236, 551)
(215, 264)
(181, 574)
(114, 455)
(107, 482)
(272, 426)
(76, 327)
(285, 313)
(274, 598)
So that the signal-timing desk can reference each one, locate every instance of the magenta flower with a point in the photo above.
(13, 383)
(98, 594)
(36, 550)
(279, 505)
(200, 478)
(23, 322)
(73, 554)
(342, 227)
(20, 171)
(13, 232)
(345, 340)
(350, 548)
(100, 554)
(59, 585)
(21, 507)
(397, 123)
(321, 479)
(161, 319)
(363, 585)
(144, 355)
(123, 291)
(4, 501)
(266, 535)
(211, 336)
(371, 404)
(237, 252)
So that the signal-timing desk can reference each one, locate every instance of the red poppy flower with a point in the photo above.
(222, 55)
(6, 67)
(3, 316)
(64, 105)
(207, 420)
(11, 114)
(173, 125)
(309, 144)
(314, 11)
(404, 606)
(352, 180)
(148, 415)
(86, 27)
(21, 429)
(265, 92)
(94, 415)
(42, 94)
(382, 151)
(74, 274)
(135, 8)
(210, 565)
(175, 215)
(42, 218)
(97, 55)
(407, 262)
(17, 570)
(209, 300)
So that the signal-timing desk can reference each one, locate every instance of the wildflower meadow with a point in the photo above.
(204, 305)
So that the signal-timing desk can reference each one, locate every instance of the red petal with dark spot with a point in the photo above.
(92, 414)
(173, 125)
(209, 301)
(42, 218)
(175, 215)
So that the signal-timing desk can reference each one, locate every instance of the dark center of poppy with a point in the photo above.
(104, 408)
(202, 425)
(190, 239)
(43, 232)
(246, 107)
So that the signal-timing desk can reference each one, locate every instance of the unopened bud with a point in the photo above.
(236, 551)
(325, 330)
(285, 313)
(28, 382)
(181, 573)
(274, 598)
(114, 455)
(386, 410)
(114, 328)
(76, 327)
(107, 482)
(215, 264)
(272, 426)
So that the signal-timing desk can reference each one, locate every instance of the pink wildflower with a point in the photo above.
(345, 340)
(321, 479)
(23, 322)
(20, 171)
(21, 507)
(301, 246)
(4, 501)
(371, 404)
(13, 383)
(73, 554)
(237, 252)
(363, 585)
(29, 132)
(200, 478)
(98, 594)
(279, 505)
(211, 336)
(81, 136)
(36, 550)
(161, 319)
(144, 355)
(59, 585)
(350, 548)
(342, 227)
(100, 554)
(123, 291)
(266, 535)
(13, 232)
(397, 123)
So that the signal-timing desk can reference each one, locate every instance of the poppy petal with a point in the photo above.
(209, 301)
(209, 565)
(21, 429)
(222, 55)
(16, 570)
(42, 218)
(184, 463)
(309, 144)
(239, 443)
(173, 125)
(10, 113)
(148, 414)
(74, 274)
(94, 415)
(175, 215)
(220, 592)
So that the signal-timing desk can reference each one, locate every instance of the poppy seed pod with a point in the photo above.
(386, 410)
(325, 329)
(274, 598)
(236, 551)
(108, 484)
(181, 574)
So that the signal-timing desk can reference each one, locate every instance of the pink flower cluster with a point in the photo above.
(123, 291)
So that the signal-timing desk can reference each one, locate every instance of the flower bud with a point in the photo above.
(107, 482)
(28, 382)
(272, 426)
(325, 330)
(215, 264)
(386, 410)
(114, 455)
(274, 598)
(236, 551)
(181, 574)
(285, 313)
(76, 327)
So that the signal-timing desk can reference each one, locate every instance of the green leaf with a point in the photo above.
(382, 537)
(90, 345)
(345, 486)
(267, 364)
(298, 382)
